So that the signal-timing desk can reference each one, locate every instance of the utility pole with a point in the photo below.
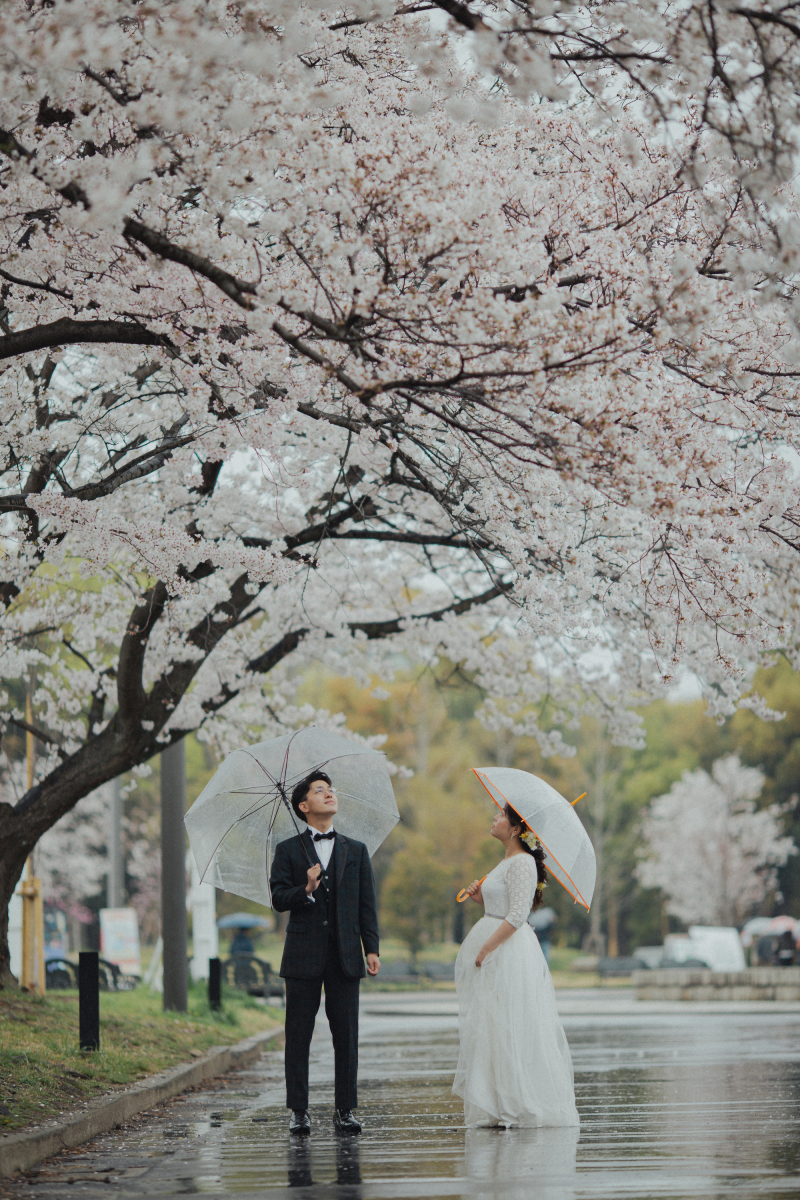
(173, 877)
(116, 871)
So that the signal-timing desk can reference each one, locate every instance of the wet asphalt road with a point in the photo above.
(675, 1101)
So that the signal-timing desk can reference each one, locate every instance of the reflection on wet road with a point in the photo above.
(674, 1103)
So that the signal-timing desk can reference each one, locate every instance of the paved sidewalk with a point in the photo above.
(674, 1104)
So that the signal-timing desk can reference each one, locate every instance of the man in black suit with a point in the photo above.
(325, 881)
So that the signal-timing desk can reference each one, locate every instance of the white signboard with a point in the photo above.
(203, 904)
(119, 939)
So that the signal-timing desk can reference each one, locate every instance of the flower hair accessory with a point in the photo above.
(530, 839)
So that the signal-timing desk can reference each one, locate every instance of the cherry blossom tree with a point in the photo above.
(351, 334)
(71, 857)
(714, 854)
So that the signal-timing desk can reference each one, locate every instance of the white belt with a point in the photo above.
(494, 916)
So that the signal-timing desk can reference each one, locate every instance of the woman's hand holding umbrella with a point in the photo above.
(472, 891)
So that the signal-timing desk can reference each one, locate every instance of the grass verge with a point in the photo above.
(44, 1075)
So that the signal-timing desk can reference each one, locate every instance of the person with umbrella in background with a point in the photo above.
(325, 881)
(241, 943)
(240, 924)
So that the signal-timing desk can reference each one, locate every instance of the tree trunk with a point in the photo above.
(613, 926)
(459, 924)
(12, 862)
(21, 825)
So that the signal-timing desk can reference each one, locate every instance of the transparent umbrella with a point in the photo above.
(570, 853)
(240, 816)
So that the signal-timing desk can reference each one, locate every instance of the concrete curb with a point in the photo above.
(19, 1151)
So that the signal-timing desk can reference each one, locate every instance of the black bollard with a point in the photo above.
(214, 984)
(89, 1001)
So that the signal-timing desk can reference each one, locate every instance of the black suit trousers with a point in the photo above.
(341, 1008)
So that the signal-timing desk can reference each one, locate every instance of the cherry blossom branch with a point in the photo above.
(68, 332)
(241, 291)
(144, 465)
(43, 737)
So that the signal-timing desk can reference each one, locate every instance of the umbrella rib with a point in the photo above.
(335, 758)
(283, 798)
(248, 813)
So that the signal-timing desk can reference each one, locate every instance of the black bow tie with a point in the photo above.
(324, 837)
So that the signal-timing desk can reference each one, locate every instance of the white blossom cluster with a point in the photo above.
(71, 858)
(364, 335)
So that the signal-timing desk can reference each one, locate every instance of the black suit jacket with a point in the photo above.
(306, 945)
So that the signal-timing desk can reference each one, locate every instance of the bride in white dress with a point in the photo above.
(514, 1066)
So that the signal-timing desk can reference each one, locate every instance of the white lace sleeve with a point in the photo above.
(521, 880)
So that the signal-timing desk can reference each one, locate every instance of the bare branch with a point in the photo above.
(67, 332)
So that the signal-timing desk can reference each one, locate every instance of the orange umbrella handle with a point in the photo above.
(464, 894)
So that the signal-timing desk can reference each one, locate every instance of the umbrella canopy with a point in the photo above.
(757, 927)
(243, 921)
(243, 812)
(570, 853)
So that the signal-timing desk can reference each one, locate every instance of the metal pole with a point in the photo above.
(115, 868)
(89, 999)
(173, 877)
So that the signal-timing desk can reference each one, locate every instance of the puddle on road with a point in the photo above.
(671, 1107)
(703, 1106)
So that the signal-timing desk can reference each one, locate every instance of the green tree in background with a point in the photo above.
(416, 897)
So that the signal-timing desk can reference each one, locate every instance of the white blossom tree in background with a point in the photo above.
(71, 858)
(355, 333)
(712, 852)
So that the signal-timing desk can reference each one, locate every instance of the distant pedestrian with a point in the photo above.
(765, 950)
(543, 921)
(787, 951)
(241, 944)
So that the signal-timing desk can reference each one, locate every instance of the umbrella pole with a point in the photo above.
(290, 811)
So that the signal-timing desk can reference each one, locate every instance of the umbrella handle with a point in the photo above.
(464, 894)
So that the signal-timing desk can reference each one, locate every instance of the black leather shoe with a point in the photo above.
(300, 1125)
(345, 1122)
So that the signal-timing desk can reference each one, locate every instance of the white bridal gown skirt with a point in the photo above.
(514, 1066)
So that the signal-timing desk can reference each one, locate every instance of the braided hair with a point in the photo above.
(536, 852)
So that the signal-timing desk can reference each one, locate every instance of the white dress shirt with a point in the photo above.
(324, 848)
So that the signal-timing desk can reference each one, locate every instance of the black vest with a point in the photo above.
(325, 894)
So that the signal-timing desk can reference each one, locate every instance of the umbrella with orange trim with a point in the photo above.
(570, 853)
